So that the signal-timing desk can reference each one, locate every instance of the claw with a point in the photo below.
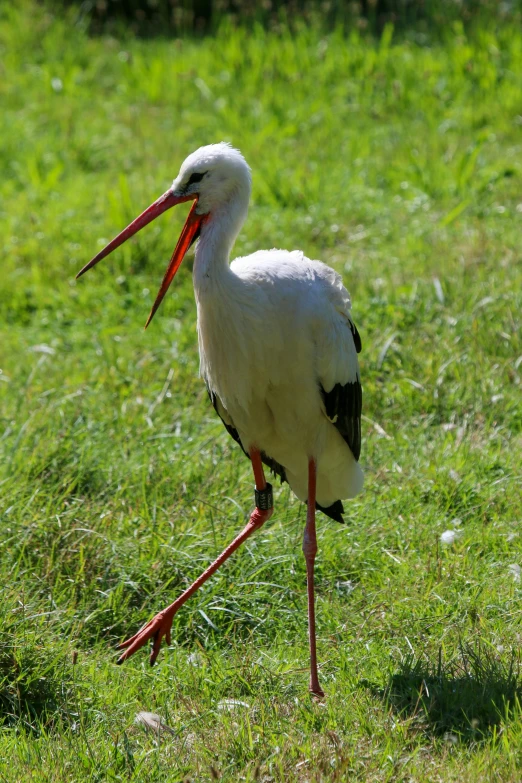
(156, 629)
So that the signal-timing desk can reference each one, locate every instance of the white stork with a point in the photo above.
(278, 352)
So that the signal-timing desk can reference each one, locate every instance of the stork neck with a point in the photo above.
(218, 234)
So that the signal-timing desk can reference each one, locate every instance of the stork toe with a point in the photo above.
(155, 630)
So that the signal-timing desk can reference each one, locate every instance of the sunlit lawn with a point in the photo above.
(400, 166)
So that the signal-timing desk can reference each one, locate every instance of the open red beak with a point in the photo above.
(189, 233)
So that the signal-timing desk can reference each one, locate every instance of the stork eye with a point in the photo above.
(194, 178)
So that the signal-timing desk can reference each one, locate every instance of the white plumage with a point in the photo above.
(278, 352)
(271, 334)
(273, 328)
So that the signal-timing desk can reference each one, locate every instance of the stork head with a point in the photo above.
(215, 178)
(215, 175)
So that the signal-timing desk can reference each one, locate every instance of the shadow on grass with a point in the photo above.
(36, 680)
(30, 692)
(461, 700)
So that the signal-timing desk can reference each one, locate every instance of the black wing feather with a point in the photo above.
(356, 337)
(335, 511)
(229, 428)
(343, 405)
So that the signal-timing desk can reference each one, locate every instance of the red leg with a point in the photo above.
(161, 624)
(310, 551)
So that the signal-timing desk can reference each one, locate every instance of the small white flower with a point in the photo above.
(515, 571)
(449, 537)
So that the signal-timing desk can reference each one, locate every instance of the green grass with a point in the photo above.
(400, 166)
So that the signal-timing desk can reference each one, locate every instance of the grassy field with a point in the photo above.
(398, 164)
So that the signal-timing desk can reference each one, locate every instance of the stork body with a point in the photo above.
(278, 352)
(275, 337)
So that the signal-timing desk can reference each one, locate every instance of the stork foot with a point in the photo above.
(317, 693)
(159, 627)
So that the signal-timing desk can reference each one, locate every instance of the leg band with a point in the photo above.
(264, 498)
